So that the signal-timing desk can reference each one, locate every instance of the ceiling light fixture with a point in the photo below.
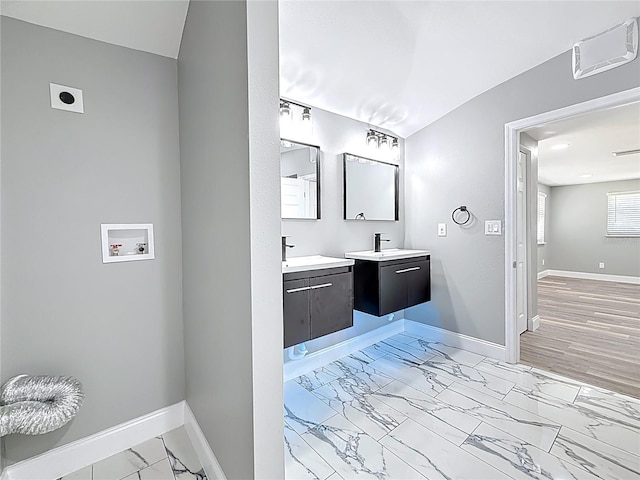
(560, 146)
(384, 142)
(625, 152)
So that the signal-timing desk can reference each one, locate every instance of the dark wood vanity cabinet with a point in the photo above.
(316, 303)
(385, 287)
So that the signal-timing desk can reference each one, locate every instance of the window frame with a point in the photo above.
(543, 196)
(633, 231)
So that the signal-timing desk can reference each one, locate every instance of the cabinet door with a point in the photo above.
(296, 312)
(331, 303)
(418, 283)
(393, 288)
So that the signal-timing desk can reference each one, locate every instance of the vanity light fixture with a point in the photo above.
(385, 143)
(293, 125)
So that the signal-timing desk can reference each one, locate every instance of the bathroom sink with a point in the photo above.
(386, 254)
(313, 262)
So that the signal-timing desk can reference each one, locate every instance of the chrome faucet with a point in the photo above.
(284, 248)
(377, 240)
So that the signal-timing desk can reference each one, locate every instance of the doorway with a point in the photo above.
(518, 233)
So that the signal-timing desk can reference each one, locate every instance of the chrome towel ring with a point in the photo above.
(462, 209)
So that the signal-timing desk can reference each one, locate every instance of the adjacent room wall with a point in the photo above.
(544, 251)
(577, 231)
(116, 327)
(459, 160)
(230, 217)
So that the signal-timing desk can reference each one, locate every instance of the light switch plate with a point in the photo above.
(493, 227)
(66, 98)
(442, 229)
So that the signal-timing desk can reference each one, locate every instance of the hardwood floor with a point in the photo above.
(589, 331)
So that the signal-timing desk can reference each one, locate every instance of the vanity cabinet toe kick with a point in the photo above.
(385, 287)
(316, 303)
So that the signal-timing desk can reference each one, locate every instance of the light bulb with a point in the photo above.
(285, 110)
(372, 140)
(395, 149)
(285, 119)
(384, 143)
(306, 115)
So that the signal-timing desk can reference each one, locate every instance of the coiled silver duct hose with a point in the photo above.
(33, 405)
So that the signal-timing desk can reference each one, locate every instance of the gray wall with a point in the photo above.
(331, 235)
(116, 327)
(228, 297)
(544, 251)
(578, 228)
(459, 160)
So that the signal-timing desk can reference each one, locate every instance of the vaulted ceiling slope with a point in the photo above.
(396, 64)
(401, 65)
(153, 26)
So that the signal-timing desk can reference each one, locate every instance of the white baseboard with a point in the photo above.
(458, 340)
(323, 357)
(603, 277)
(543, 274)
(534, 323)
(76, 455)
(209, 461)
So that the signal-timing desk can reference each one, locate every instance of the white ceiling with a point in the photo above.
(401, 65)
(592, 138)
(395, 64)
(149, 25)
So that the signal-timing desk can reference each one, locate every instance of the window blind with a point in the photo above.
(623, 214)
(542, 210)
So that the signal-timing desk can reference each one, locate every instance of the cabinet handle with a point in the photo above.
(408, 270)
(322, 285)
(301, 289)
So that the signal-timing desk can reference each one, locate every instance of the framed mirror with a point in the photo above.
(371, 189)
(299, 180)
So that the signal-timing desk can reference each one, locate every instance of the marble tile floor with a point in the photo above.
(412, 408)
(168, 457)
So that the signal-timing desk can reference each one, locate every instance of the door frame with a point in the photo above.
(511, 152)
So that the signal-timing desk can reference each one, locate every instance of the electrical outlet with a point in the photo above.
(601, 265)
(442, 229)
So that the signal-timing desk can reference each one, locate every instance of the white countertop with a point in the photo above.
(313, 262)
(387, 254)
